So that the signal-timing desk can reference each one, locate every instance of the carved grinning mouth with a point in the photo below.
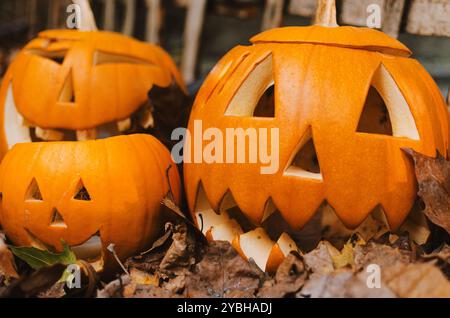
(18, 129)
(90, 250)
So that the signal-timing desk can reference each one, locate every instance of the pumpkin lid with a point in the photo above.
(346, 36)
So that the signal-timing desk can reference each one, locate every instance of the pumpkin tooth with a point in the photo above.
(256, 245)
(22, 121)
(124, 125)
(147, 120)
(87, 134)
(49, 134)
(225, 231)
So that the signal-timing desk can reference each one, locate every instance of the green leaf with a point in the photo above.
(38, 259)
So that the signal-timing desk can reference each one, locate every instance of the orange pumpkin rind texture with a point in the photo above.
(324, 80)
(109, 189)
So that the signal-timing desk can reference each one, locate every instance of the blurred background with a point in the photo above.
(197, 33)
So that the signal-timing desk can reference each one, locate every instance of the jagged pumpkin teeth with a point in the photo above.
(22, 121)
(88, 134)
(124, 125)
(224, 231)
(256, 245)
(49, 134)
(147, 120)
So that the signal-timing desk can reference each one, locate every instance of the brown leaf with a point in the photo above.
(433, 176)
(114, 289)
(382, 255)
(171, 109)
(342, 284)
(319, 260)
(7, 264)
(139, 278)
(181, 252)
(290, 277)
(222, 273)
(36, 283)
(417, 281)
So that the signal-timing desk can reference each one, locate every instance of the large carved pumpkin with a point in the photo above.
(88, 193)
(346, 101)
(73, 85)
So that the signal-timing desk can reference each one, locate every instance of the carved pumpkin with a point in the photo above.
(345, 101)
(73, 85)
(87, 193)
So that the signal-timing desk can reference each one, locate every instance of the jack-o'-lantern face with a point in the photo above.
(89, 194)
(345, 101)
(73, 85)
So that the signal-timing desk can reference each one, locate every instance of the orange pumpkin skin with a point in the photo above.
(322, 78)
(125, 177)
(100, 77)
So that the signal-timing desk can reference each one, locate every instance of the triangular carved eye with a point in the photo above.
(304, 162)
(109, 58)
(256, 95)
(57, 219)
(82, 193)
(55, 56)
(67, 94)
(33, 192)
(386, 111)
(375, 116)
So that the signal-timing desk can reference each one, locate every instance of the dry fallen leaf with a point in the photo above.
(223, 273)
(416, 281)
(139, 278)
(290, 277)
(170, 109)
(319, 260)
(7, 264)
(433, 176)
(342, 284)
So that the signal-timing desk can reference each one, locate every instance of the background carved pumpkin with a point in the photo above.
(87, 193)
(73, 85)
(345, 100)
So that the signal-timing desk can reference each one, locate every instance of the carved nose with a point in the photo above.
(57, 219)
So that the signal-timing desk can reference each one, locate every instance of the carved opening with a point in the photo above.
(266, 104)
(386, 111)
(255, 96)
(55, 56)
(57, 219)
(82, 193)
(67, 94)
(109, 58)
(33, 192)
(375, 116)
(305, 163)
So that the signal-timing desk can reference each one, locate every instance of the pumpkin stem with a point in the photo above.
(326, 13)
(87, 16)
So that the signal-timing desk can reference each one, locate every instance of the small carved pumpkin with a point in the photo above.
(88, 193)
(73, 85)
(346, 101)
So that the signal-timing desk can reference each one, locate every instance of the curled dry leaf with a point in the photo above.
(170, 109)
(342, 284)
(433, 176)
(7, 264)
(139, 278)
(289, 279)
(416, 281)
(223, 273)
(36, 283)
